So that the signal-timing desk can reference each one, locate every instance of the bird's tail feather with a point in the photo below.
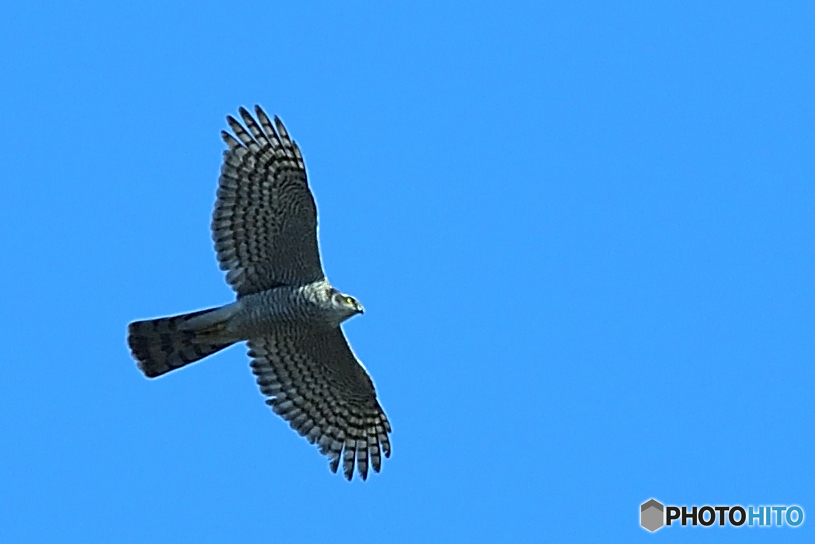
(164, 344)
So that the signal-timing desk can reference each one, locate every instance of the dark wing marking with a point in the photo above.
(316, 383)
(265, 221)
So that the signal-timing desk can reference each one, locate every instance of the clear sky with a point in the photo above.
(582, 232)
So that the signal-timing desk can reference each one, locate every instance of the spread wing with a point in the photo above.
(316, 383)
(265, 221)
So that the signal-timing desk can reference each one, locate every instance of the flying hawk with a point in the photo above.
(265, 231)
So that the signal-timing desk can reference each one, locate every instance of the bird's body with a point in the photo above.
(253, 315)
(264, 228)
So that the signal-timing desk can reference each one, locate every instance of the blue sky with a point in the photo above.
(582, 233)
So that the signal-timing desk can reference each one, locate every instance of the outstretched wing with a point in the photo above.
(316, 383)
(265, 221)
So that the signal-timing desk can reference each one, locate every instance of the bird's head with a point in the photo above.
(346, 304)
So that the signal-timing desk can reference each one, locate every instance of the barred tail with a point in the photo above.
(164, 344)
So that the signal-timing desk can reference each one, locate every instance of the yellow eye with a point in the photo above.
(349, 300)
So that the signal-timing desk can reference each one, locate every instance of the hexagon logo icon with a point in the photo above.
(652, 515)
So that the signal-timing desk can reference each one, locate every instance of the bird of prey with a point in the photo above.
(265, 231)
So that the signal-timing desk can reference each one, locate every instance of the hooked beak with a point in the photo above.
(359, 308)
